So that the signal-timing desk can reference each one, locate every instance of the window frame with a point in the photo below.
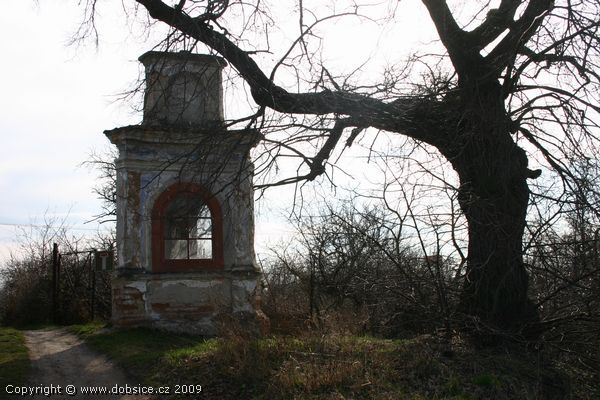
(162, 264)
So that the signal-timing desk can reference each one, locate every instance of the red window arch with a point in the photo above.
(187, 230)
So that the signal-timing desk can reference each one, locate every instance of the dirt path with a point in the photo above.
(60, 358)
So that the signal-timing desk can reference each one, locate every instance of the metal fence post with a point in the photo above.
(55, 283)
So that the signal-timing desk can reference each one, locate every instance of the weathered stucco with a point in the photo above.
(185, 148)
(183, 88)
(191, 303)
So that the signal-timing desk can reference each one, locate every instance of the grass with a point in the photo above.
(14, 359)
(147, 355)
(326, 367)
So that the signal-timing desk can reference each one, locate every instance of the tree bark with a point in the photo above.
(493, 195)
(496, 283)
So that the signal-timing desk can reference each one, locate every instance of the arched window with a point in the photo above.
(187, 230)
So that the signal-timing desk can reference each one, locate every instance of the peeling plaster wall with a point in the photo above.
(193, 304)
(188, 302)
(188, 147)
(137, 195)
(183, 87)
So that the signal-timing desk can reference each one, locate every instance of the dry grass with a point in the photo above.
(334, 367)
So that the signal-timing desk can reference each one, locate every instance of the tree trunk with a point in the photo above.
(493, 196)
(496, 283)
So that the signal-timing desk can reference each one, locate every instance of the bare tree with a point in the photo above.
(356, 262)
(26, 292)
(106, 187)
(521, 76)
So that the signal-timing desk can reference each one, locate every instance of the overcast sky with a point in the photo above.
(57, 100)
(55, 103)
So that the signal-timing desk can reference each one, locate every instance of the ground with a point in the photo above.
(305, 366)
(61, 358)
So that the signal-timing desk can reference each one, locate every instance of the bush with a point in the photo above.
(26, 297)
(347, 272)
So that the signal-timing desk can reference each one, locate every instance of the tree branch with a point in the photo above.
(397, 116)
(496, 22)
(452, 36)
(519, 33)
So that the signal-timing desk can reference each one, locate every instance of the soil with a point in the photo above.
(61, 358)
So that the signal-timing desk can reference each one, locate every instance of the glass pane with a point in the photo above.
(202, 228)
(201, 249)
(187, 228)
(176, 249)
(185, 205)
(187, 217)
(177, 228)
(203, 212)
